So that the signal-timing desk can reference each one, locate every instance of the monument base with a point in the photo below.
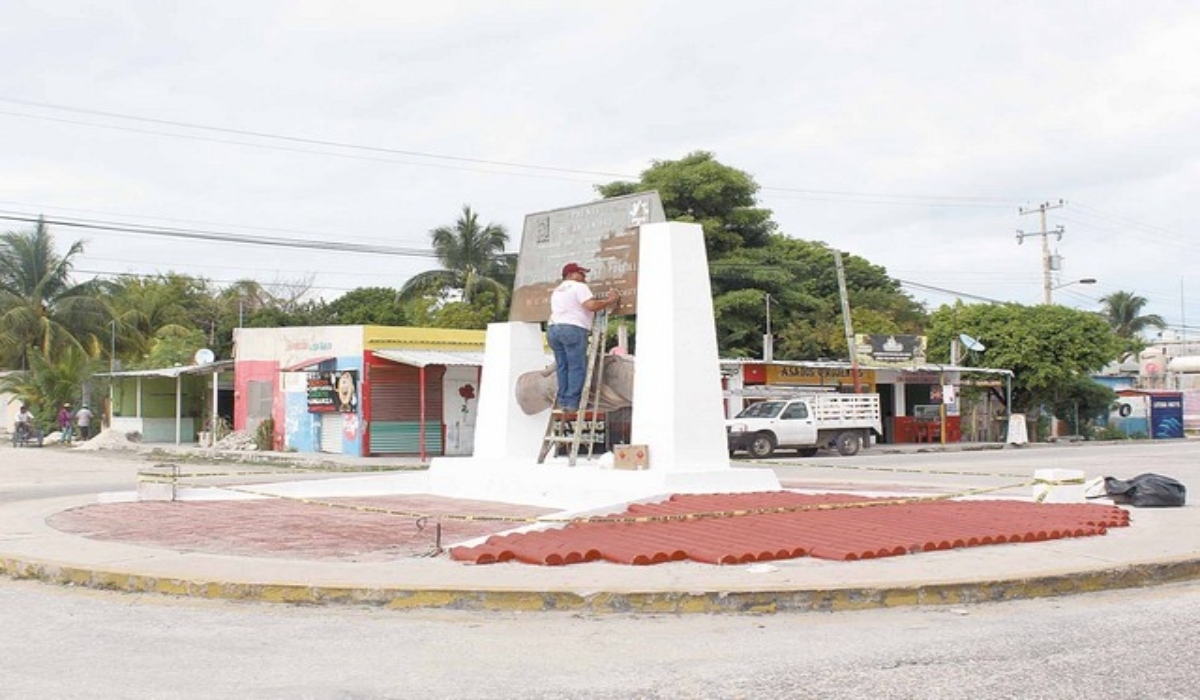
(586, 486)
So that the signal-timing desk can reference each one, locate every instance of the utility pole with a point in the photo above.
(841, 277)
(1046, 259)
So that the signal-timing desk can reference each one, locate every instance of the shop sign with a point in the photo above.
(333, 392)
(887, 349)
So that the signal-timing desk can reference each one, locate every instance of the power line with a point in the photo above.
(222, 237)
(301, 139)
(927, 287)
(782, 192)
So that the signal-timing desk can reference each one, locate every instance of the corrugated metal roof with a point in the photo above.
(423, 358)
(172, 372)
(305, 364)
(742, 528)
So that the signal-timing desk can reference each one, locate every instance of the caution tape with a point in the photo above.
(674, 517)
(1041, 497)
(892, 470)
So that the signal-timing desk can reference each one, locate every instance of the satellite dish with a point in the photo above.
(970, 343)
(204, 356)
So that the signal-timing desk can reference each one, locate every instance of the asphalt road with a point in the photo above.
(76, 643)
(68, 643)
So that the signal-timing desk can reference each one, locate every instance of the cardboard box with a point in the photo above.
(631, 457)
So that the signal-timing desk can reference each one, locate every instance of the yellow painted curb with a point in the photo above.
(671, 602)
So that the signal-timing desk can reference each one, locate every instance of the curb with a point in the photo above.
(677, 602)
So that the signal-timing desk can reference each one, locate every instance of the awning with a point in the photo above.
(423, 358)
(305, 364)
(210, 368)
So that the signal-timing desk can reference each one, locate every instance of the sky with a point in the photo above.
(912, 134)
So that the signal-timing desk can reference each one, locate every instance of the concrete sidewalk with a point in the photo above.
(1161, 545)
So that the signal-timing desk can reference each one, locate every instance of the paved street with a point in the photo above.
(69, 643)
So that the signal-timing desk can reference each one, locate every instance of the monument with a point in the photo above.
(661, 270)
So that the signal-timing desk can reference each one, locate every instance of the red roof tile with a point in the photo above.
(749, 527)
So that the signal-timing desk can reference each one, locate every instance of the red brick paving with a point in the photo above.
(289, 529)
(284, 528)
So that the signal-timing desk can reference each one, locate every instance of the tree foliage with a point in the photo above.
(41, 307)
(1047, 347)
(48, 384)
(365, 306)
(472, 258)
(751, 261)
(698, 189)
(1123, 311)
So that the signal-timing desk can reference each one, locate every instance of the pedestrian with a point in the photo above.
(66, 423)
(572, 306)
(26, 430)
(83, 419)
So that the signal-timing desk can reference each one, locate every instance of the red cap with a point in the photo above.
(571, 268)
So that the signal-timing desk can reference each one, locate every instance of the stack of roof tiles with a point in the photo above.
(753, 527)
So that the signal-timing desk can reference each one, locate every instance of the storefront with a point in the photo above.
(918, 404)
(360, 390)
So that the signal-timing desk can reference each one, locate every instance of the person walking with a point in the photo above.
(66, 423)
(83, 419)
(572, 306)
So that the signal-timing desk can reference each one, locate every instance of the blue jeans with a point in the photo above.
(569, 344)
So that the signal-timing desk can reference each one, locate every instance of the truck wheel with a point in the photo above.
(762, 446)
(807, 451)
(848, 444)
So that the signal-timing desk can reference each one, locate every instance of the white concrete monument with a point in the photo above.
(677, 403)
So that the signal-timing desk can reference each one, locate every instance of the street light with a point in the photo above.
(1085, 280)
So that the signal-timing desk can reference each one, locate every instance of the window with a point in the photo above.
(795, 411)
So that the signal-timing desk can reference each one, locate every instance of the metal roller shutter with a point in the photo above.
(396, 409)
(331, 433)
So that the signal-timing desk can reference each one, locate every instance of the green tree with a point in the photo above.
(1123, 311)
(699, 189)
(1047, 347)
(750, 260)
(174, 345)
(1081, 402)
(806, 312)
(366, 306)
(47, 384)
(41, 307)
(143, 306)
(472, 258)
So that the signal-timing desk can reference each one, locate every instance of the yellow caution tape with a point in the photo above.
(675, 517)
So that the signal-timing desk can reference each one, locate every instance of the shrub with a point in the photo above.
(264, 437)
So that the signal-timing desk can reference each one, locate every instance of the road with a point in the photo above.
(75, 643)
(67, 643)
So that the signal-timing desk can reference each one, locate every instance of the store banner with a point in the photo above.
(888, 349)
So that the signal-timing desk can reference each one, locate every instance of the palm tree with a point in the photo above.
(41, 308)
(1123, 311)
(472, 258)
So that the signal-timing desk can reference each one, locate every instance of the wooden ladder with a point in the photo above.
(564, 429)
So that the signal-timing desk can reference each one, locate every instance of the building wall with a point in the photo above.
(261, 355)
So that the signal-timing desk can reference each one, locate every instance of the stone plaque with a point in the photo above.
(601, 236)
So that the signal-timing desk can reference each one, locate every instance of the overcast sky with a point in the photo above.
(908, 133)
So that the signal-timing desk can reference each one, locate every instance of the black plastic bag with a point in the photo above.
(1146, 490)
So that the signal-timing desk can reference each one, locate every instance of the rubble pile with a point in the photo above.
(111, 440)
(239, 440)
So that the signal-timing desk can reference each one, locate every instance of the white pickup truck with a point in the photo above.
(806, 424)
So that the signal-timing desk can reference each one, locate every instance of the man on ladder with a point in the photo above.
(572, 309)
